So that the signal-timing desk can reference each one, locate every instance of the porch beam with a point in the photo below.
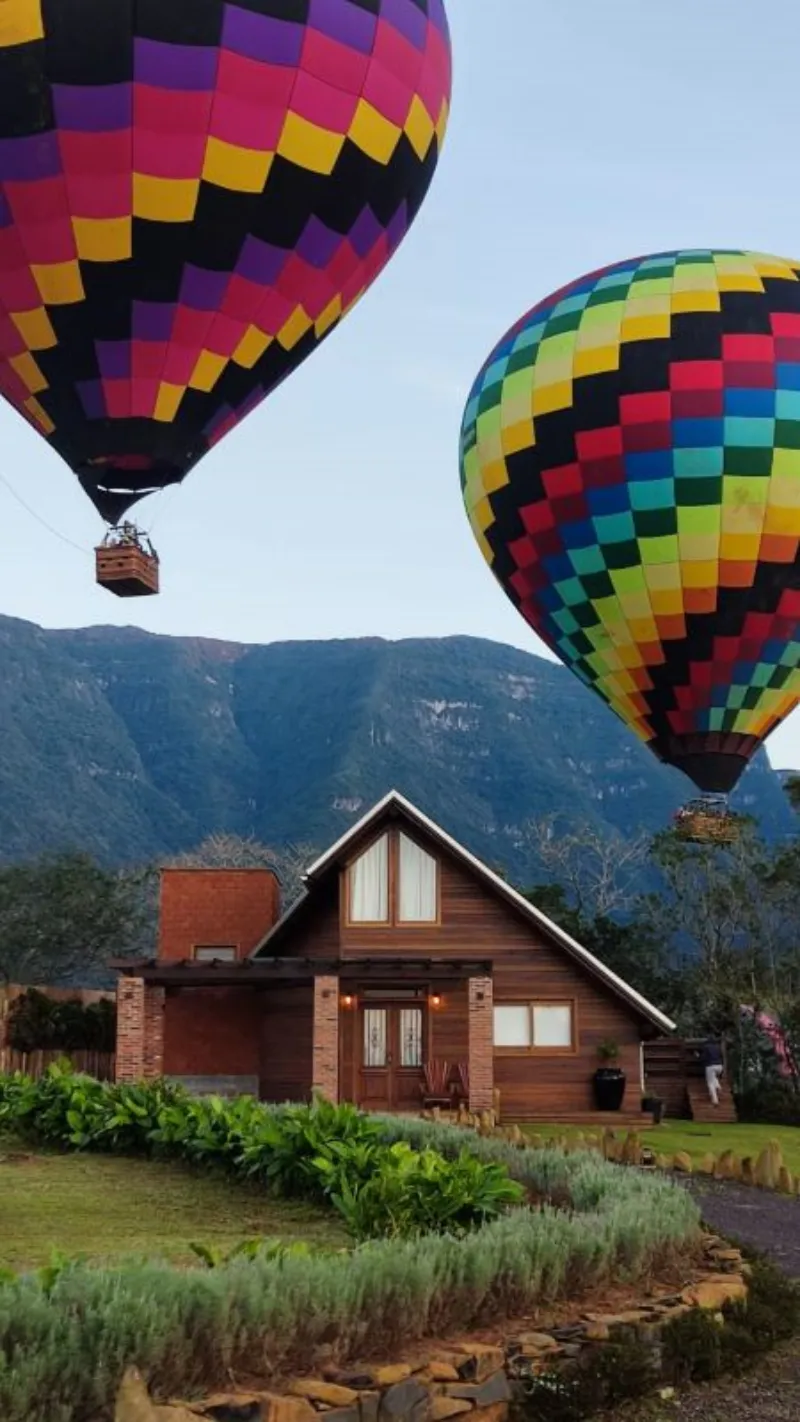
(252, 972)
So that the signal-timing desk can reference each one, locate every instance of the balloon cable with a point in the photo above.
(56, 534)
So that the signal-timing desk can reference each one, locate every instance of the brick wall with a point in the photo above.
(213, 1032)
(481, 1044)
(215, 907)
(153, 1032)
(326, 1037)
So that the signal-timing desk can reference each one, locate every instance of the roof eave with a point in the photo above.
(557, 934)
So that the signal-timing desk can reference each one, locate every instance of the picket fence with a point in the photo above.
(35, 1064)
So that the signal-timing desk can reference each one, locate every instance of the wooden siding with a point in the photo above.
(286, 1041)
(528, 967)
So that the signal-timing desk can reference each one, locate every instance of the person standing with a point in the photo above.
(712, 1060)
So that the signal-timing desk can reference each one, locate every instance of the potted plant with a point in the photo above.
(609, 1080)
(655, 1106)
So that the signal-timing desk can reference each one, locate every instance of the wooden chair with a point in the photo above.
(460, 1087)
(434, 1089)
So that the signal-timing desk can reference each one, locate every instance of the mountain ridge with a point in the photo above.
(135, 745)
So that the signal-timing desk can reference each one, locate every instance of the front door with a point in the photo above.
(391, 1055)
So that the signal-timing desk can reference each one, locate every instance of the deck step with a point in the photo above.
(600, 1120)
(702, 1109)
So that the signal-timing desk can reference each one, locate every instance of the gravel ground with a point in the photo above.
(770, 1395)
(766, 1221)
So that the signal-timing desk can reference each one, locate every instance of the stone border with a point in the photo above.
(768, 1170)
(454, 1379)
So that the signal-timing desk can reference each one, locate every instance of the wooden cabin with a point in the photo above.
(407, 970)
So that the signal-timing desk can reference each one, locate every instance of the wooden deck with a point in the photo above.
(673, 1072)
(703, 1109)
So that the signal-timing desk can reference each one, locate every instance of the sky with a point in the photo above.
(581, 133)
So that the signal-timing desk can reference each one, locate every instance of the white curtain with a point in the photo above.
(369, 884)
(552, 1025)
(417, 901)
(512, 1025)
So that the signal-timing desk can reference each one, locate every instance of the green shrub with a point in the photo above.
(330, 1154)
(419, 1191)
(38, 1022)
(605, 1377)
(775, 1103)
(62, 1353)
(696, 1348)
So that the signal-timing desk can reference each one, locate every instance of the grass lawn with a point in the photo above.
(697, 1138)
(110, 1207)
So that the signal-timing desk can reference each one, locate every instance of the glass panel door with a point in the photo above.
(376, 1037)
(411, 1036)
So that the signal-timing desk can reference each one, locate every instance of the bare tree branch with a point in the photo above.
(233, 851)
(600, 873)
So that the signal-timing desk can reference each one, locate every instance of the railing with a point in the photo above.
(35, 1064)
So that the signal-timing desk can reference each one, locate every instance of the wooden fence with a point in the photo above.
(35, 1064)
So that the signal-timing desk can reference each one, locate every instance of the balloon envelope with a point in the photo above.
(630, 465)
(192, 194)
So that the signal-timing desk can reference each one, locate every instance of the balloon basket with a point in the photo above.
(126, 571)
(702, 823)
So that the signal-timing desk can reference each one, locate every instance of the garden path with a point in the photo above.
(767, 1221)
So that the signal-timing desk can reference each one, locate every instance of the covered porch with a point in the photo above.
(368, 1030)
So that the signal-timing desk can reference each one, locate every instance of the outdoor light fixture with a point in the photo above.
(347, 1000)
(436, 1000)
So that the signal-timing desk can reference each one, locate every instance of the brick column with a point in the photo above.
(153, 1064)
(130, 1029)
(326, 1038)
(140, 1031)
(481, 1044)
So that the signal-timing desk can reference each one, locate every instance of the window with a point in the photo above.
(533, 1027)
(215, 952)
(417, 900)
(369, 884)
(394, 881)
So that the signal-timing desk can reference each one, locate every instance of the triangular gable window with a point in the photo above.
(417, 896)
(369, 884)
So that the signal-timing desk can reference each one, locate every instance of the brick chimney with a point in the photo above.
(203, 910)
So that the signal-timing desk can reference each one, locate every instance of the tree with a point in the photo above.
(599, 873)
(728, 915)
(233, 851)
(792, 789)
(62, 917)
(631, 950)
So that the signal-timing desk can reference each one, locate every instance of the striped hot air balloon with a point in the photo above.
(630, 466)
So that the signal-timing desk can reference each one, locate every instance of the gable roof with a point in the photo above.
(397, 802)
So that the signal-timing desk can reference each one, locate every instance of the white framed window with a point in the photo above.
(512, 1025)
(534, 1027)
(215, 953)
(368, 889)
(552, 1025)
(418, 884)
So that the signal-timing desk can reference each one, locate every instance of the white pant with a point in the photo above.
(713, 1078)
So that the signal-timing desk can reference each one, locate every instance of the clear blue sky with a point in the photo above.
(581, 133)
